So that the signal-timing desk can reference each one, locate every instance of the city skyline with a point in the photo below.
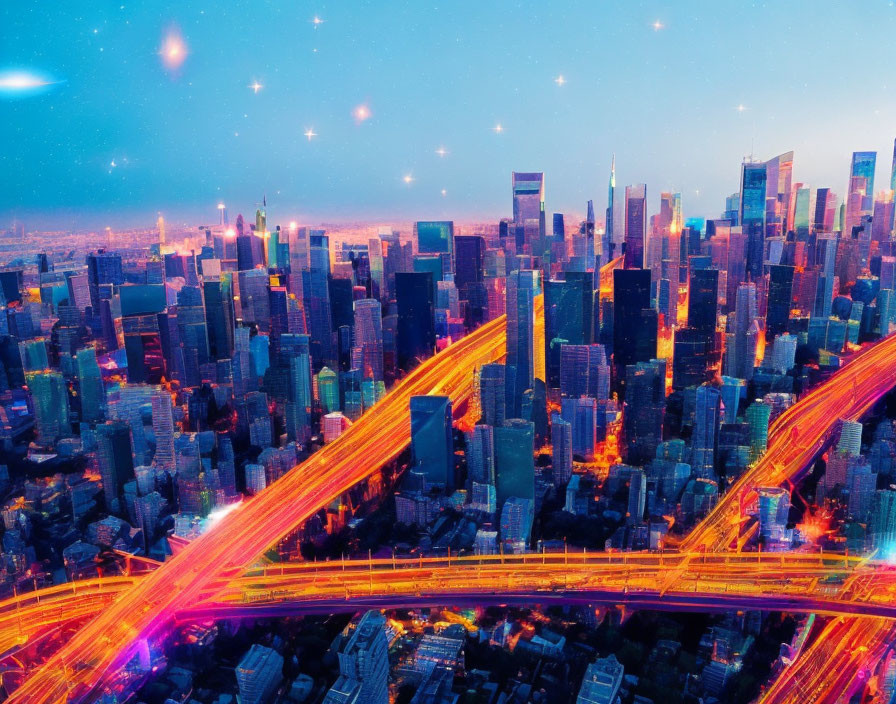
(346, 115)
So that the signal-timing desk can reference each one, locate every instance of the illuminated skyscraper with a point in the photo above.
(432, 444)
(115, 460)
(779, 172)
(610, 234)
(368, 334)
(258, 674)
(645, 406)
(752, 214)
(705, 438)
(493, 394)
(860, 196)
(481, 455)
(90, 386)
(363, 652)
(515, 460)
(50, 398)
(561, 449)
(635, 225)
(436, 237)
(416, 307)
(528, 208)
(825, 210)
(520, 372)
(316, 299)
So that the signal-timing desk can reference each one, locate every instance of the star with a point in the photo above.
(256, 86)
(560, 80)
(657, 26)
(441, 151)
(174, 50)
(444, 192)
(310, 133)
(741, 107)
(408, 179)
(361, 113)
(498, 129)
(317, 21)
(112, 164)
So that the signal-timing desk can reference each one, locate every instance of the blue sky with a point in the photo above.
(815, 77)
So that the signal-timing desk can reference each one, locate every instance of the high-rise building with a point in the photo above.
(752, 214)
(259, 674)
(635, 225)
(493, 394)
(316, 301)
(528, 208)
(520, 372)
(780, 294)
(742, 335)
(481, 454)
(515, 460)
(115, 460)
(645, 406)
(860, 195)
(850, 441)
(633, 327)
(602, 681)
(90, 386)
(581, 414)
(432, 442)
(758, 415)
(561, 449)
(50, 398)
(416, 327)
(703, 296)
(705, 438)
(368, 334)
(363, 653)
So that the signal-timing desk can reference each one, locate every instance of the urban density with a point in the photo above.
(633, 451)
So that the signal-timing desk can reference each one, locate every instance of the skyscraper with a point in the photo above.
(363, 653)
(258, 674)
(631, 327)
(316, 299)
(520, 342)
(860, 195)
(705, 438)
(115, 459)
(493, 394)
(752, 214)
(780, 292)
(90, 386)
(528, 208)
(368, 334)
(416, 327)
(50, 397)
(432, 443)
(515, 460)
(561, 449)
(481, 454)
(635, 225)
(644, 411)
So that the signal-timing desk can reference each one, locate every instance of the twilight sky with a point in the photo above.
(680, 91)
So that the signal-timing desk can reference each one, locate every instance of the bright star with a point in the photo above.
(113, 164)
(441, 151)
(444, 192)
(741, 107)
(317, 21)
(560, 80)
(498, 129)
(256, 86)
(174, 50)
(310, 133)
(16, 82)
(361, 113)
(657, 26)
(408, 178)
